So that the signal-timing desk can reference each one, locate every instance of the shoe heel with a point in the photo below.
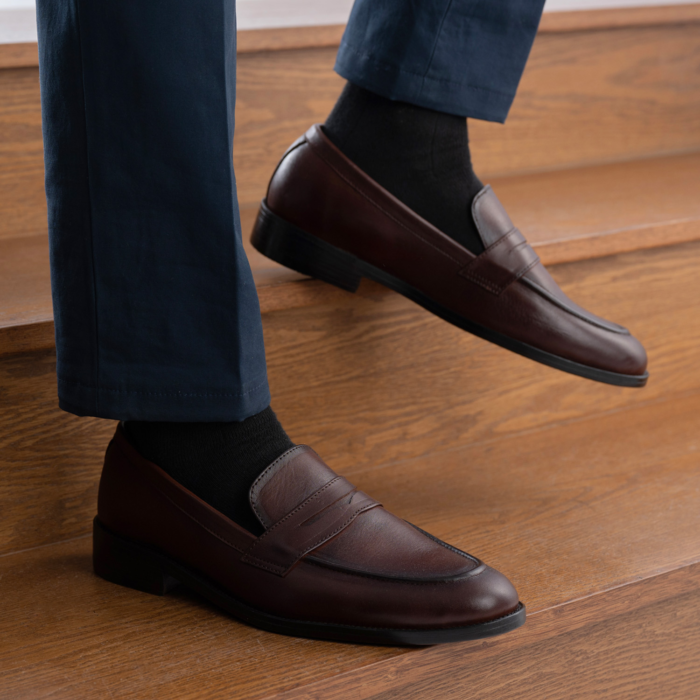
(126, 564)
(290, 246)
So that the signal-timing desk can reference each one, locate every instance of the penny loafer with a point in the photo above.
(326, 218)
(330, 564)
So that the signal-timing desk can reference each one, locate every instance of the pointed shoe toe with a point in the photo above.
(491, 596)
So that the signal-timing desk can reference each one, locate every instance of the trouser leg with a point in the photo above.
(463, 57)
(156, 312)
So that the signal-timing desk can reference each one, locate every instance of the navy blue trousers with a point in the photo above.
(156, 313)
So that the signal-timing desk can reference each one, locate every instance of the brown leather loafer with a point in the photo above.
(331, 564)
(326, 218)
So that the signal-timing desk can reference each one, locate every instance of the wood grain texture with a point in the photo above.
(619, 17)
(23, 55)
(50, 460)
(253, 40)
(590, 97)
(592, 520)
(372, 379)
(22, 198)
(614, 646)
(25, 287)
(570, 215)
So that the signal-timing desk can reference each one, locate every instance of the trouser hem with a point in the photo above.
(163, 404)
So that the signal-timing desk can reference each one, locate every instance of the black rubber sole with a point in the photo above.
(290, 246)
(127, 563)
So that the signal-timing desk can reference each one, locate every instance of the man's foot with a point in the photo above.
(325, 217)
(330, 563)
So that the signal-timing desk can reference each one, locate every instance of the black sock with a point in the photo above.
(216, 461)
(419, 155)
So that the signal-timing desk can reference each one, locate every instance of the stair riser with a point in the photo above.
(625, 93)
(368, 379)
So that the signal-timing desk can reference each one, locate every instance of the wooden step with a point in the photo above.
(567, 215)
(611, 92)
(595, 520)
(368, 379)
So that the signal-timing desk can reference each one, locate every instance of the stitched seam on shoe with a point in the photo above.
(497, 290)
(377, 577)
(307, 502)
(254, 487)
(263, 564)
(560, 304)
(449, 547)
(475, 277)
(481, 281)
(316, 545)
(378, 206)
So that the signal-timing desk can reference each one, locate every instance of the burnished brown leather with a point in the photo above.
(505, 289)
(329, 553)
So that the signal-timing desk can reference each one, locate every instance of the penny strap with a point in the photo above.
(502, 263)
(323, 515)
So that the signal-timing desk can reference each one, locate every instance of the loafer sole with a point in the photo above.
(127, 563)
(292, 247)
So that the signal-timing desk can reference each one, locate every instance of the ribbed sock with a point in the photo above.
(419, 155)
(216, 461)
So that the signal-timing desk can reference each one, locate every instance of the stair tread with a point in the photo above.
(567, 215)
(571, 513)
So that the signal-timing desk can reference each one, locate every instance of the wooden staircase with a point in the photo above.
(587, 496)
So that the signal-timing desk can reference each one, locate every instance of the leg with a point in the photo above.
(158, 325)
(156, 312)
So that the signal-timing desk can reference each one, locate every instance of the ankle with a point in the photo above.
(419, 155)
(216, 461)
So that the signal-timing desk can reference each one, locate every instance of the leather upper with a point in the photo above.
(329, 552)
(505, 288)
